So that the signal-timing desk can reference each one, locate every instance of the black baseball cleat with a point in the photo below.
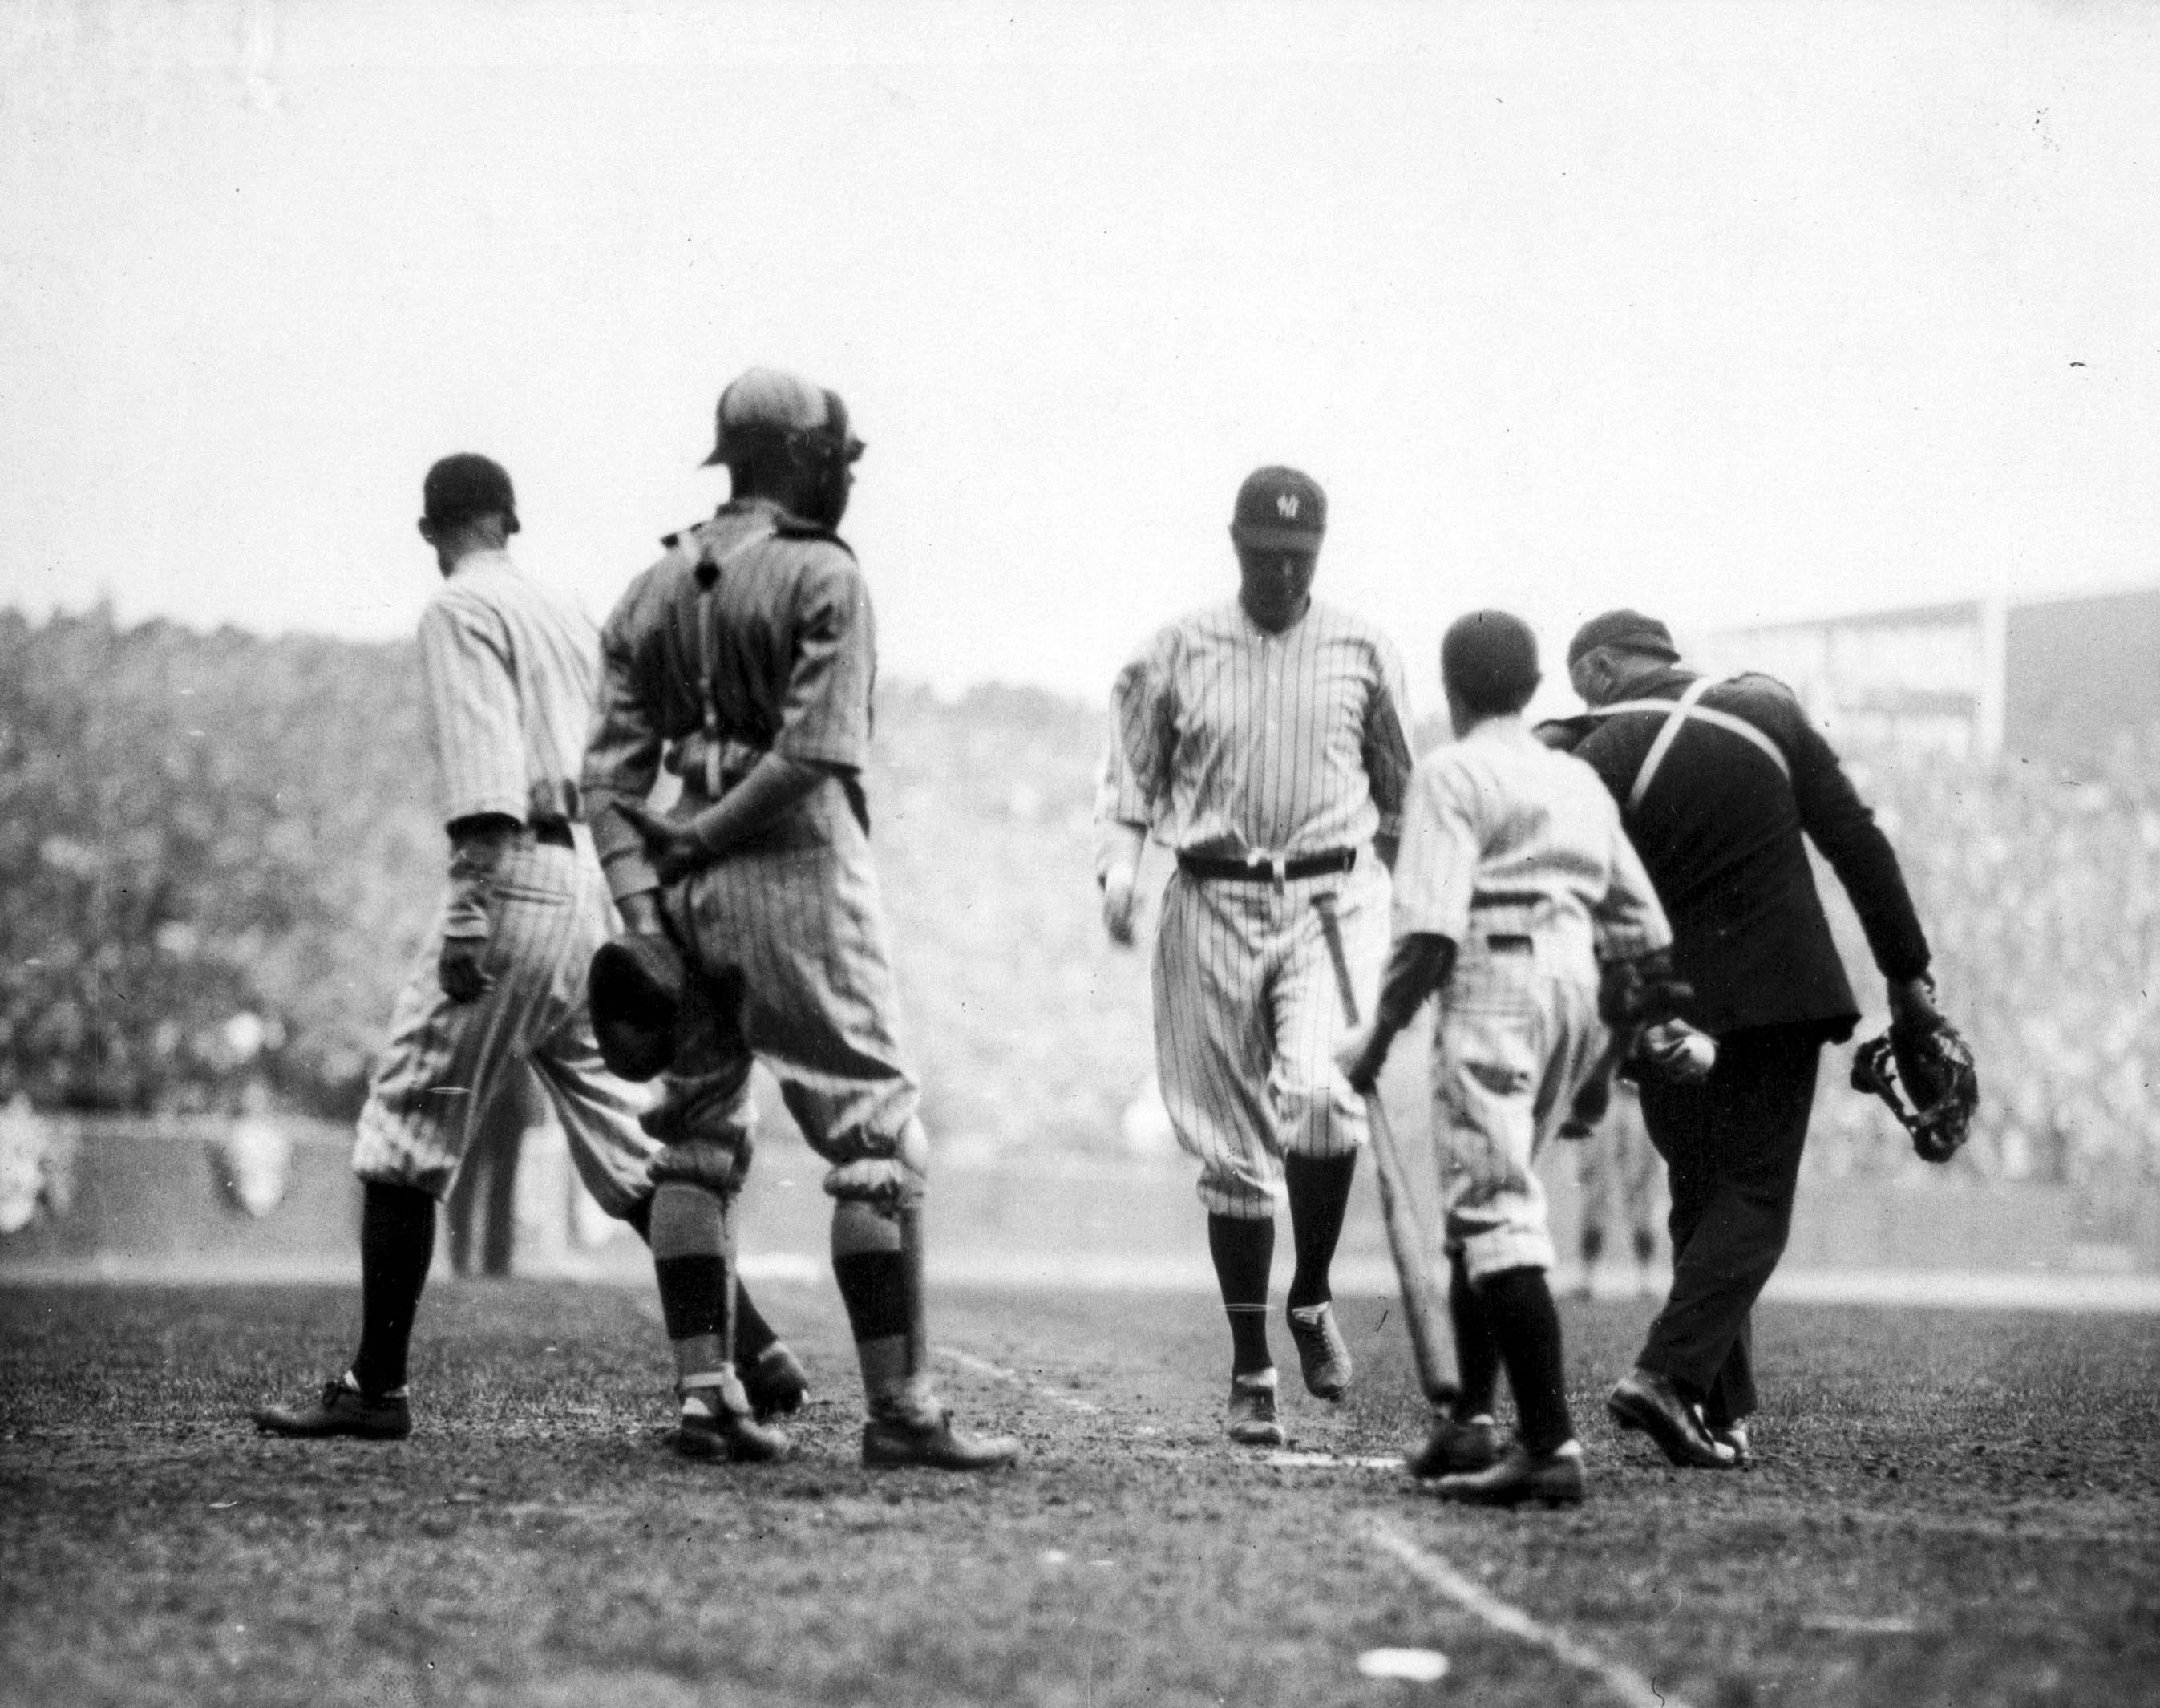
(775, 1381)
(1321, 1351)
(342, 1410)
(732, 1436)
(891, 1443)
(1643, 1399)
(1455, 1444)
(1554, 1478)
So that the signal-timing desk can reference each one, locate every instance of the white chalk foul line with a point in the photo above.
(1014, 1379)
(1624, 1682)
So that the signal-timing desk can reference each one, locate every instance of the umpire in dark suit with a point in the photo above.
(1718, 781)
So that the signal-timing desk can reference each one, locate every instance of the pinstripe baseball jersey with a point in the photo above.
(1503, 834)
(509, 671)
(787, 649)
(1231, 740)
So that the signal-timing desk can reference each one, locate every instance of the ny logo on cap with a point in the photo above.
(1286, 505)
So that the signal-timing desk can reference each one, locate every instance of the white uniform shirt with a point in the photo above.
(510, 671)
(1501, 829)
(1229, 740)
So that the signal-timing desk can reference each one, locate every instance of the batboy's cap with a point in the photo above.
(461, 487)
(1624, 628)
(1490, 658)
(1280, 507)
(767, 401)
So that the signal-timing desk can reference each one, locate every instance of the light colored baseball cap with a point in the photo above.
(770, 401)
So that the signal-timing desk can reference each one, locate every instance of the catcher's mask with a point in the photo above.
(1933, 1066)
(636, 984)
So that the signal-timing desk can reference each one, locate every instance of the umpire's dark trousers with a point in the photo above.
(1731, 1146)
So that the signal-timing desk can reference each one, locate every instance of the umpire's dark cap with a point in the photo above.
(769, 403)
(1489, 659)
(1279, 509)
(461, 487)
(636, 985)
(1629, 630)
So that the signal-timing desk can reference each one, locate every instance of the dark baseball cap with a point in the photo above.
(1490, 659)
(1630, 630)
(467, 484)
(1280, 507)
(768, 402)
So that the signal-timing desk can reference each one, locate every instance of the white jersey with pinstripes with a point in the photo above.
(510, 670)
(1232, 741)
(509, 673)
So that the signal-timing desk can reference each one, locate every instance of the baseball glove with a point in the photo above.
(1934, 1068)
(635, 987)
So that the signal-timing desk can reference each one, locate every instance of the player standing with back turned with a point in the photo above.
(1265, 739)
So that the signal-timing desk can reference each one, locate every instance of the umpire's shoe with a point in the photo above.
(891, 1442)
(342, 1410)
(726, 1434)
(1321, 1349)
(1734, 1437)
(1251, 1421)
(1645, 1400)
(773, 1380)
(1455, 1444)
(1554, 1478)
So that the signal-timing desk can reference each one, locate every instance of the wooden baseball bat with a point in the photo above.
(1432, 1332)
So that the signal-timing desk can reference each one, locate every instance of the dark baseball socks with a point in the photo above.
(877, 1260)
(693, 1263)
(396, 1247)
(1518, 1308)
(1243, 1248)
(1477, 1357)
(1319, 1196)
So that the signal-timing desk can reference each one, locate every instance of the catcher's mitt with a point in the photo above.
(635, 987)
(1935, 1068)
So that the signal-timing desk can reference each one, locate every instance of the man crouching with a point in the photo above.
(1515, 884)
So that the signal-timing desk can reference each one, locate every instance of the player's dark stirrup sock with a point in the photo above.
(1593, 1244)
(1244, 1247)
(693, 1262)
(1477, 1360)
(396, 1245)
(1319, 1194)
(753, 1333)
(877, 1260)
(1519, 1306)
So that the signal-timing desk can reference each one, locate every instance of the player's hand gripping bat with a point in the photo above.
(1432, 1334)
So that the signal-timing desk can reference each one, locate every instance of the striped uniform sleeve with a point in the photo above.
(622, 753)
(1136, 758)
(1629, 920)
(473, 719)
(1436, 872)
(825, 714)
(1386, 745)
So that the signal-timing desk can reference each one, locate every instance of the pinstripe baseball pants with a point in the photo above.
(789, 964)
(447, 1062)
(1514, 1038)
(1246, 1017)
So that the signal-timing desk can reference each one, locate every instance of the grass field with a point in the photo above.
(1952, 1508)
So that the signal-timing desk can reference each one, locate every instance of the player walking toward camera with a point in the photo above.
(1719, 781)
(743, 661)
(1265, 739)
(1515, 885)
(508, 671)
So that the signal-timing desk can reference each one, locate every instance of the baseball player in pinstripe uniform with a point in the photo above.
(742, 661)
(509, 673)
(1265, 740)
(1515, 883)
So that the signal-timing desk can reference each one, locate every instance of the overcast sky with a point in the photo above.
(1733, 312)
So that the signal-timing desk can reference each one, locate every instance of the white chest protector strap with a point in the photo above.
(1676, 713)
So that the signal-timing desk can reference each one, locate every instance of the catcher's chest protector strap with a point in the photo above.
(1676, 713)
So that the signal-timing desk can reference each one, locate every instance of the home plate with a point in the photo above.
(1335, 1461)
(1423, 1665)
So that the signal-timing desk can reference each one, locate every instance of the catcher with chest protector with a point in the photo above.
(1719, 782)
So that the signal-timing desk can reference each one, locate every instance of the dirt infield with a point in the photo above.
(1953, 1508)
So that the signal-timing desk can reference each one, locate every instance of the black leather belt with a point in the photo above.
(1262, 868)
(555, 832)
